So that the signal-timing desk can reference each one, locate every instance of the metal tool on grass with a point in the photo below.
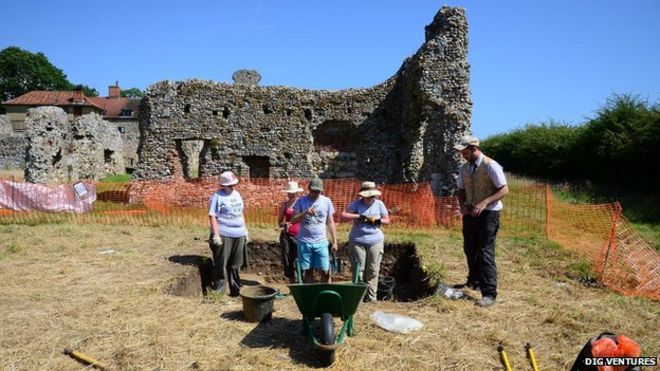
(504, 358)
(84, 358)
(532, 358)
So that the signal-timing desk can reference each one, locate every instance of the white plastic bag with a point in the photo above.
(396, 323)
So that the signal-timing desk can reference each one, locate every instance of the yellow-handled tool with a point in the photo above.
(532, 358)
(505, 359)
(84, 358)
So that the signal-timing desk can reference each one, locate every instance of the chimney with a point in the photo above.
(78, 95)
(114, 91)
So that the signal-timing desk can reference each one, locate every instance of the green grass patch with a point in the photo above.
(117, 178)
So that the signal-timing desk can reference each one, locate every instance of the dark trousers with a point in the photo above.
(227, 262)
(289, 253)
(479, 246)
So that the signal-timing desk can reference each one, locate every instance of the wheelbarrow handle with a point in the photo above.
(356, 274)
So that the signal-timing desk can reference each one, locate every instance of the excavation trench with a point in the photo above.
(400, 261)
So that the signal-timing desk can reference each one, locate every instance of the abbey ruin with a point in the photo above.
(402, 130)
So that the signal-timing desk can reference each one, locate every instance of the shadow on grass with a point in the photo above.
(282, 333)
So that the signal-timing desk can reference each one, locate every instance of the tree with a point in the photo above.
(132, 93)
(89, 91)
(621, 143)
(22, 71)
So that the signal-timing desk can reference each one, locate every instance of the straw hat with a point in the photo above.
(368, 189)
(228, 179)
(292, 187)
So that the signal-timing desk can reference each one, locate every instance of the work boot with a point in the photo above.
(486, 301)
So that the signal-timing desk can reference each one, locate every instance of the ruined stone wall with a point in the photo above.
(63, 151)
(12, 152)
(5, 125)
(12, 146)
(402, 130)
(129, 131)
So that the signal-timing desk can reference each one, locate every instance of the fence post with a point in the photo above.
(611, 239)
(548, 194)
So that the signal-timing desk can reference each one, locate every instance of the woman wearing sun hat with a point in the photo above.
(228, 235)
(366, 239)
(289, 230)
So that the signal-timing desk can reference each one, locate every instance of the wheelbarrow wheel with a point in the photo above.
(327, 337)
(327, 329)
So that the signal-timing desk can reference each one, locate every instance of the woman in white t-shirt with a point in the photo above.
(228, 235)
(366, 239)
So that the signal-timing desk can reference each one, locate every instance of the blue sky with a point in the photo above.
(532, 61)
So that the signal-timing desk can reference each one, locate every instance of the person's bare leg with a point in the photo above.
(308, 276)
(325, 276)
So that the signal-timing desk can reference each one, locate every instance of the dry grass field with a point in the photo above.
(123, 295)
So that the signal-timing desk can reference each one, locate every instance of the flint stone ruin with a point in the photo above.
(12, 147)
(402, 130)
(246, 77)
(63, 151)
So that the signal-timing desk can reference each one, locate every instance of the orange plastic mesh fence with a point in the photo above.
(623, 260)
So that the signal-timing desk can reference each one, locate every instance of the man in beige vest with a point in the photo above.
(481, 186)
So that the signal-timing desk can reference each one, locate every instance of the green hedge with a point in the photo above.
(616, 148)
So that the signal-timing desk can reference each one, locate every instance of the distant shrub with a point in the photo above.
(620, 144)
(616, 148)
(542, 151)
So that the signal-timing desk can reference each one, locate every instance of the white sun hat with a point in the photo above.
(292, 187)
(228, 179)
(368, 189)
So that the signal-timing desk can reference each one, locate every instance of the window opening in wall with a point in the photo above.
(189, 151)
(225, 112)
(186, 108)
(259, 166)
(335, 135)
(214, 112)
(289, 111)
(308, 114)
(77, 111)
(126, 113)
(107, 156)
(121, 129)
(18, 126)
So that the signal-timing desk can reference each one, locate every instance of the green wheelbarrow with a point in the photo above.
(326, 301)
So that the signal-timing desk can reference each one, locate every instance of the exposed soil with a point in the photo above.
(400, 261)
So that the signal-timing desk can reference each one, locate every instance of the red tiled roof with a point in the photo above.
(112, 106)
(50, 98)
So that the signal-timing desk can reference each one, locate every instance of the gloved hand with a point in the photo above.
(216, 240)
(373, 220)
